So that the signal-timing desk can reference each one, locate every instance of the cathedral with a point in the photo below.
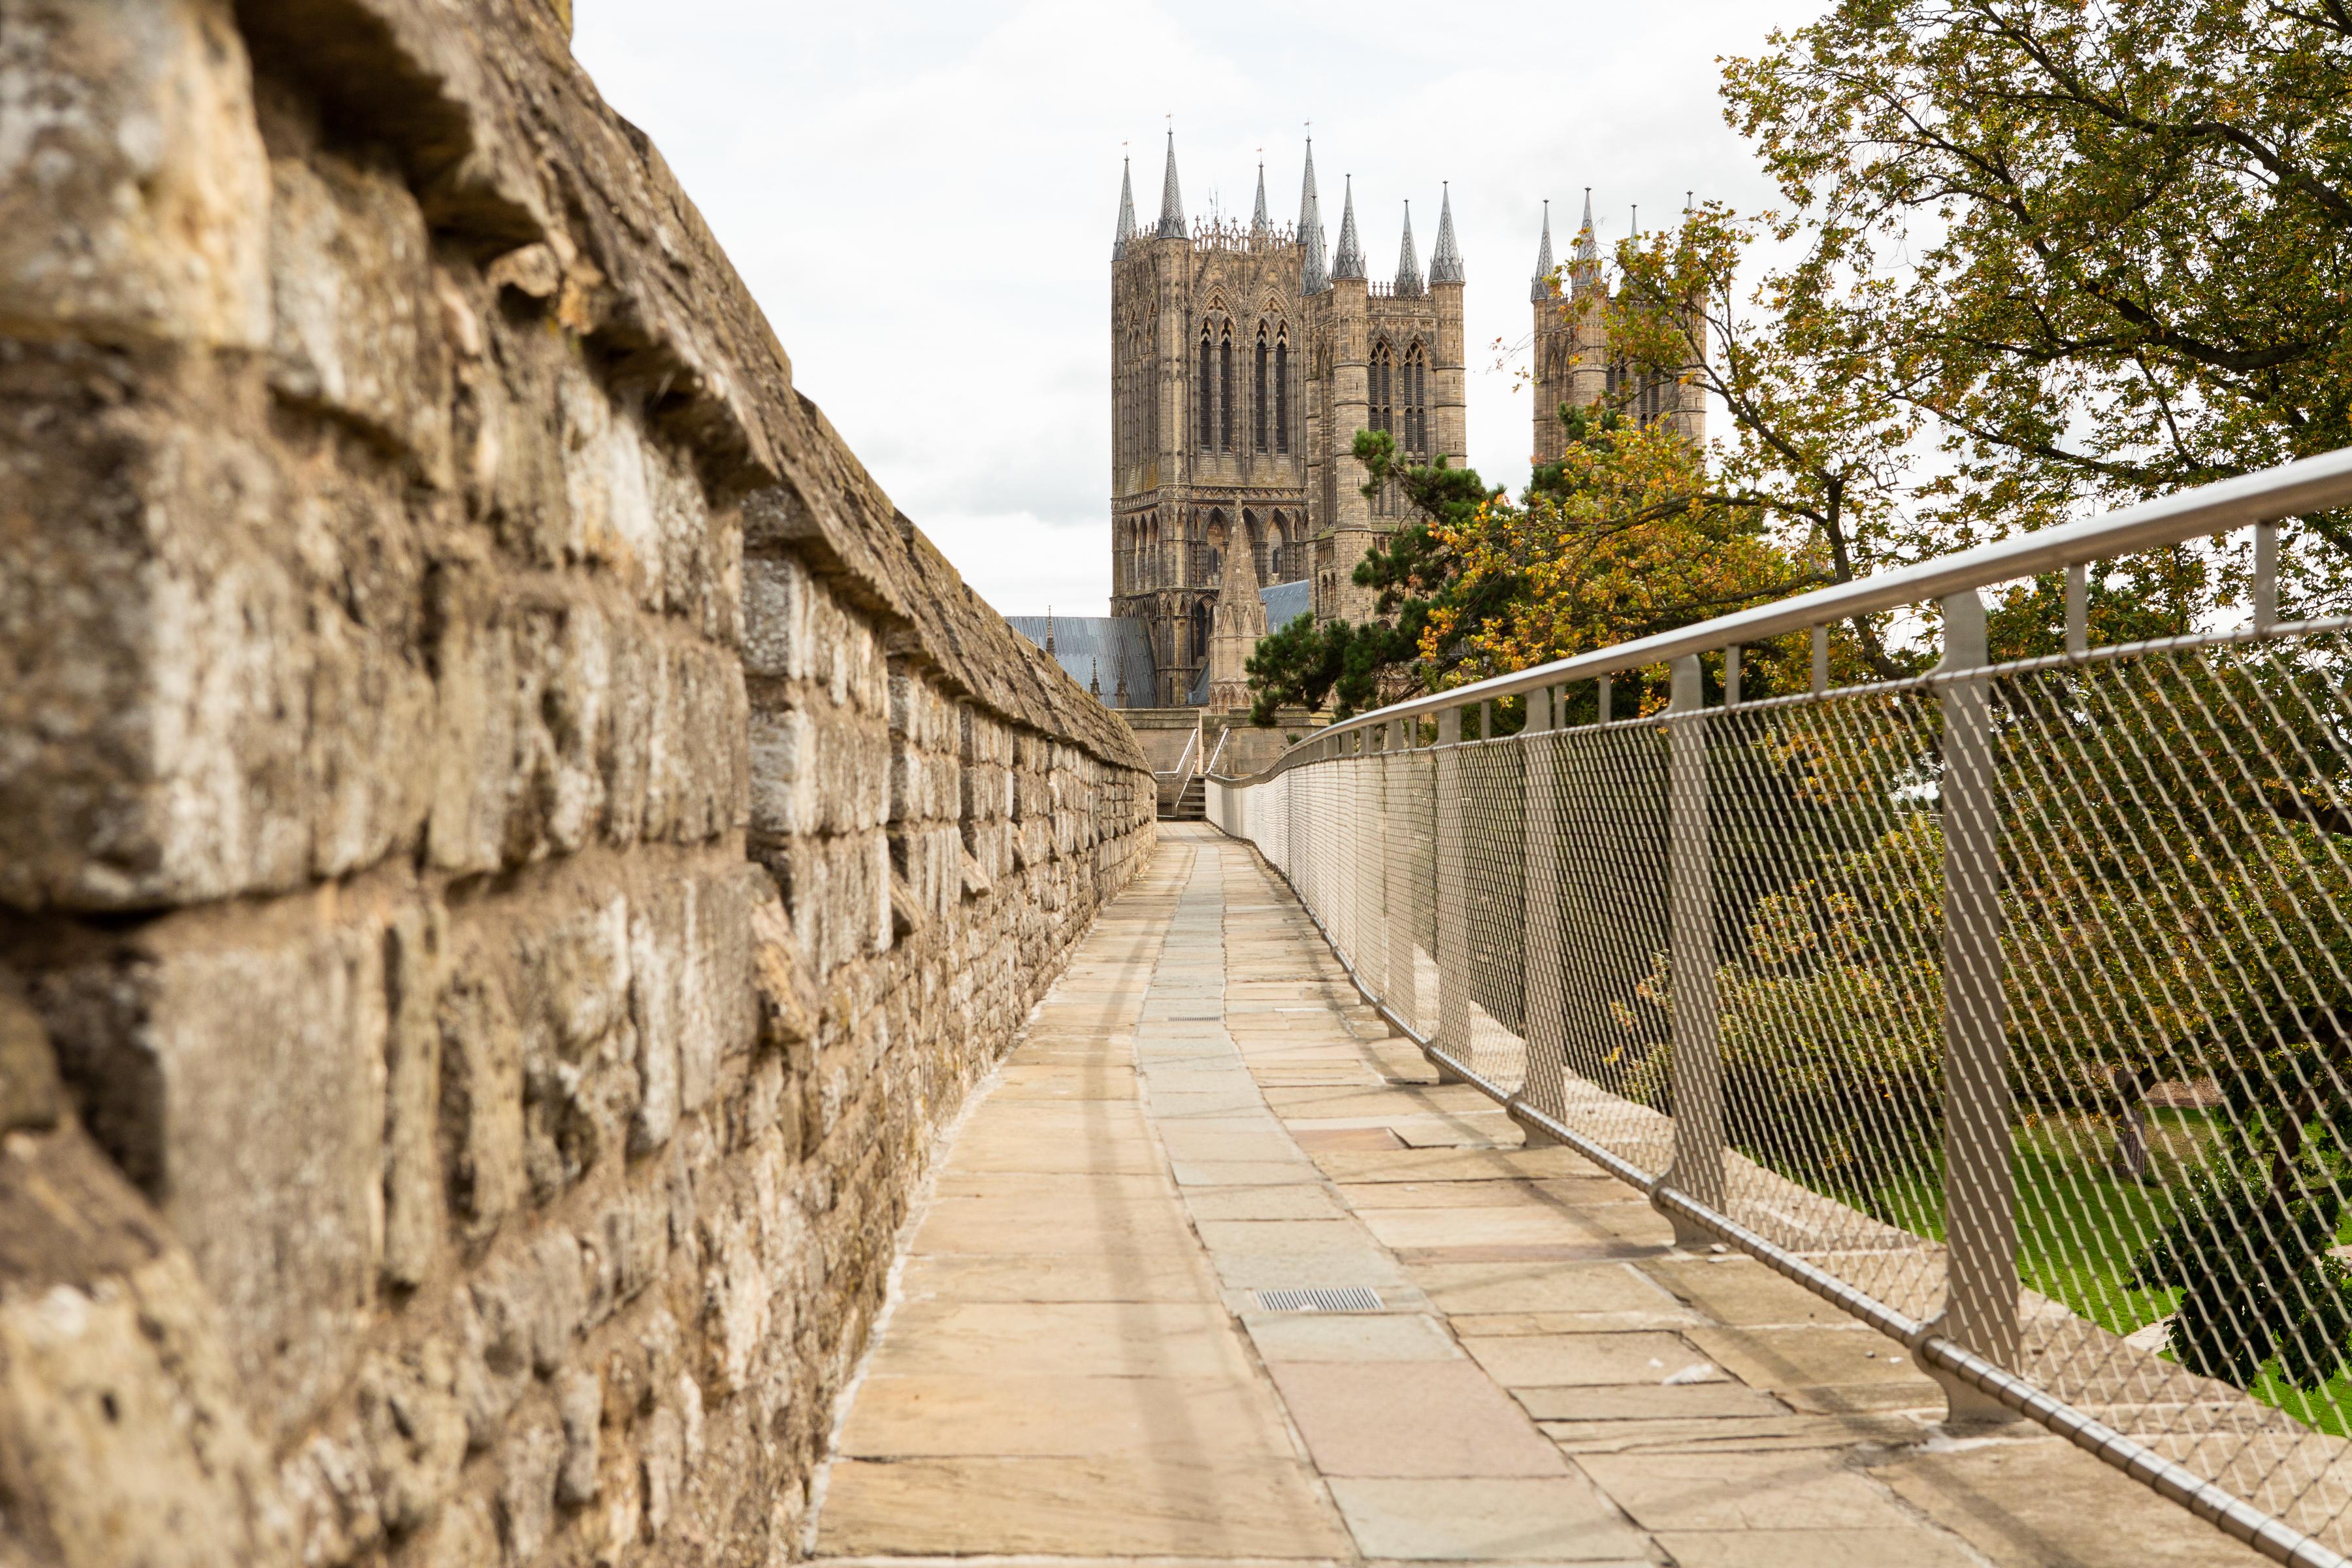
(1244, 361)
(1572, 361)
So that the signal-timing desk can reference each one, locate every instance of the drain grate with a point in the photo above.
(1344, 1298)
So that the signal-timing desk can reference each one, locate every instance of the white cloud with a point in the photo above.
(922, 197)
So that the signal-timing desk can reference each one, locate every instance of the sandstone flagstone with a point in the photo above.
(1082, 1366)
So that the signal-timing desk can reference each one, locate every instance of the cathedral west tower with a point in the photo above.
(1243, 364)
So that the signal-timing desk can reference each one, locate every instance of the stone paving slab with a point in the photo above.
(1079, 1365)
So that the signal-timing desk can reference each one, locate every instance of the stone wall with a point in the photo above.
(509, 846)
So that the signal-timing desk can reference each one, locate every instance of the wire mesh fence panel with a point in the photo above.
(2167, 837)
(1826, 924)
(1597, 923)
(2178, 932)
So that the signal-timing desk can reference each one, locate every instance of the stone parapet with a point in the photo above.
(510, 846)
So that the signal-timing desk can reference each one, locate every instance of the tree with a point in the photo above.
(1363, 666)
(1619, 540)
(2107, 248)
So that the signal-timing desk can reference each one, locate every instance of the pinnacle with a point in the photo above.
(1408, 278)
(1259, 224)
(1445, 262)
(1540, 289)
(1172, 199)
(1126, 211)
(1313, 276)
(1349, 260)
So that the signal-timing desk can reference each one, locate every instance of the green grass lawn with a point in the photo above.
(2080, 1229)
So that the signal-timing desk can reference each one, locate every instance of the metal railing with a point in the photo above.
(2008, 1006)
(1218, 755)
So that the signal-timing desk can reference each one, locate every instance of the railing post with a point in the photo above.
(1543, 978)
(1696, 1065)
(1980, 1290)
(1452, 867)
(1398, 837)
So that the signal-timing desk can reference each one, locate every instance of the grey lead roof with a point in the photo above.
(1446, 264)
(1099, 648)
(1285, 601)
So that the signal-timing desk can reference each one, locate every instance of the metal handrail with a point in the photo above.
(1500, 869)
(2311, 484)
(1183, 768)
(1209, 767)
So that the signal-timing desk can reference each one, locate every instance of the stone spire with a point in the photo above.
(1260, 225)
(1588, 246)
(1445, 264)
(1235, 626)
(1540, 289)
(1349, 260)
(1126, 211)
(1172, 200)
(1408, 278)
(1314, 277)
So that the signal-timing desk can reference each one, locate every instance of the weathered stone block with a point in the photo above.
(837, 892)
(244, 1081)
(690, 950)
(134, 193)
(356, 330)
(529, 1461)
(580, 1405)
(413, 1203)
(481, 1093)
(119, 1406)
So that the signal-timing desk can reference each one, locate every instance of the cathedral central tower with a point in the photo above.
(1243, 364)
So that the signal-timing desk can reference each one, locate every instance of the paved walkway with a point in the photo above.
(1079, 1361)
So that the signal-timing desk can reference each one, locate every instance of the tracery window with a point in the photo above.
(1380, 390)
(1201, 393)
(1282, 395)
(1257, 404)
(1416, 400)
(1226, 392)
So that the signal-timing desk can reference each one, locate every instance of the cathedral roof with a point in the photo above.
(1313, 278)
(1349, 260)
(1126, 211)
(1259, 222)
(1445, 263)
(1408, 278)
(1540, 289)
(1172, 200)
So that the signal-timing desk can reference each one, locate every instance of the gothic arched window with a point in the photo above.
(1282, 395)
(1225, 391)
(1416, 403)
(1257, 404)
(1380, 390)
(1201, 393)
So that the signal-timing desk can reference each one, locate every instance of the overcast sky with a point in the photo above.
(922, 197)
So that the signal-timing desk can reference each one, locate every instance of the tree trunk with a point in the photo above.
(2131, 1124)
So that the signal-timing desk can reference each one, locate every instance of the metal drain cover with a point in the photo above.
(1344, 1298)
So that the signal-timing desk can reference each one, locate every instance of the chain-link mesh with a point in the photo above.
(2023, 997)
